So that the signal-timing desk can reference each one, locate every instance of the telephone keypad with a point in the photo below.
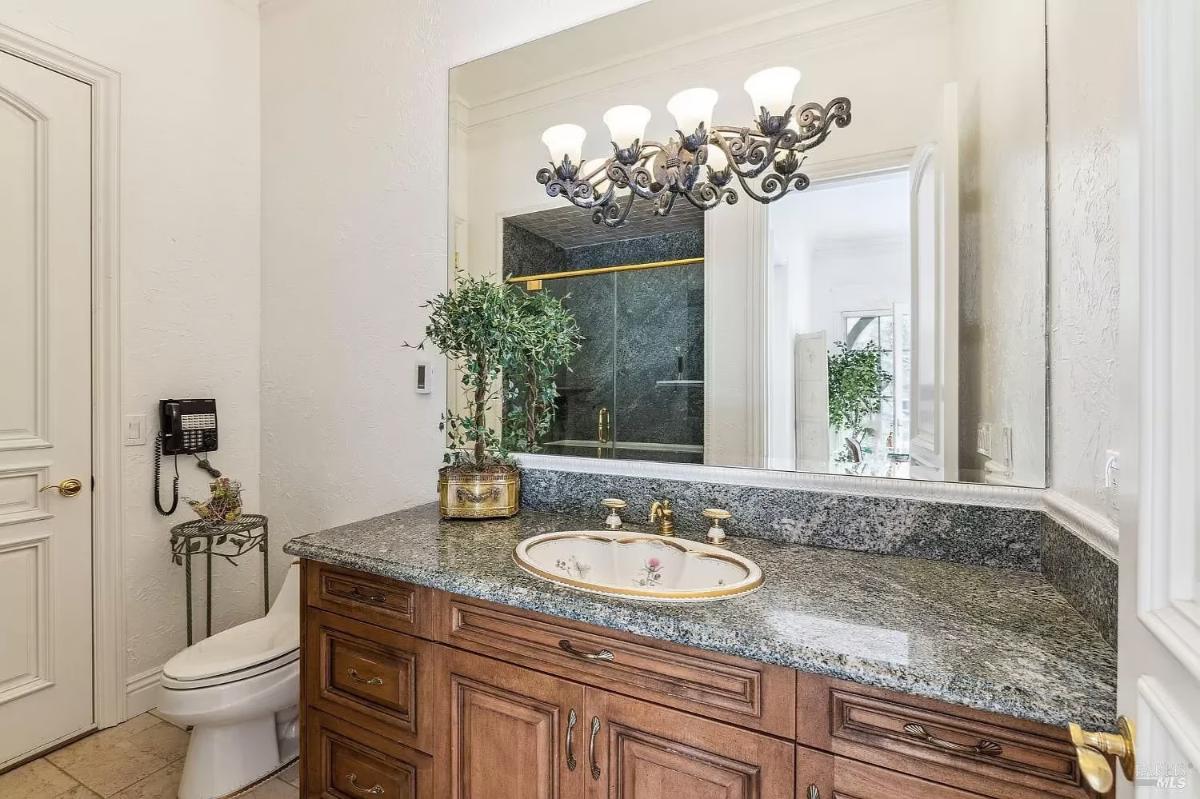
(199, 431)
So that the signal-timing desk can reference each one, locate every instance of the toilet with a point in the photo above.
(239, 691)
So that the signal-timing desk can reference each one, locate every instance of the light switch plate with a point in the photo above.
(983, 439)
(135, 430)
(424, 377)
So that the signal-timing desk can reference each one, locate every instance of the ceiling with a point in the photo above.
(569, 227)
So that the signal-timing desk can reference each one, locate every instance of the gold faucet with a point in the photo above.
(660, 512)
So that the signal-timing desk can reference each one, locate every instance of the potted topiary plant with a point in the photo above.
(856, 382)
(486, 328)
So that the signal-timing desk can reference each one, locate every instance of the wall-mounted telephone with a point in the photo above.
(186, 427)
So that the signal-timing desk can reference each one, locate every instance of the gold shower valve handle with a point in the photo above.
(66, 488)
(1092, 750)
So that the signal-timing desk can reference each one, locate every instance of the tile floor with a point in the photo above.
(140, 759)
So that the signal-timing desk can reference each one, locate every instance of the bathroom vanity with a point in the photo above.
(432, 666)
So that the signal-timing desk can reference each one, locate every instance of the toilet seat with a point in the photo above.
(244, 651)
(172, 683)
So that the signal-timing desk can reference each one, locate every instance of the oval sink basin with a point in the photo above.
(638, 565)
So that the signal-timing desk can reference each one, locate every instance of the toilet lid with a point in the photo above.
(273, 639)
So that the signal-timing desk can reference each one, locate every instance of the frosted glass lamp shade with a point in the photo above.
(691, 107)
(626, 123)
(772, 89)
(716, 158)
(564, 141)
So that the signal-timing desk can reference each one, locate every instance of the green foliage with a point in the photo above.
(856, 381)
(545, 339)
(489, 329)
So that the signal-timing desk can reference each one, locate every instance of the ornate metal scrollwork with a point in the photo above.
(765, 160)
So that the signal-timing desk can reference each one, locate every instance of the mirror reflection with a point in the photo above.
(834, 267)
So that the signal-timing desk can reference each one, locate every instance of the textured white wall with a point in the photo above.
(1002, 233)
(354, 239)
(1092, 65)
(189, 262)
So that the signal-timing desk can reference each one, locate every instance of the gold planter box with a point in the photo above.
(491, 494)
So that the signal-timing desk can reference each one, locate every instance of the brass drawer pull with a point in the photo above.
(604, 654)
(354, 675)
(592, 747)
(363, 595)
(572, 720)
(984, 747)
(374, 790)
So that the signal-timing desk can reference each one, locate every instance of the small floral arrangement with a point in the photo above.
(224, 506)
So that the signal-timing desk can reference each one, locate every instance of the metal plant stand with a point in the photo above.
(228, 541)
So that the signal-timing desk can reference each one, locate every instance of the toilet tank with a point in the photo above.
(288, 599)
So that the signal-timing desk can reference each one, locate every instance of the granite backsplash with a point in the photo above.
(1022, 539)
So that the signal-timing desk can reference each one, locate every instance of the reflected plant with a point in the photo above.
(857, 380)
(544, 339)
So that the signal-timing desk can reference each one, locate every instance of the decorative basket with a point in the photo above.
(469, 493)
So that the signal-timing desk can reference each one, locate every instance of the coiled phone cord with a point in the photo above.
(158, 445)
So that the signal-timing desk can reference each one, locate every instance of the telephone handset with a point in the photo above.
(187, 427)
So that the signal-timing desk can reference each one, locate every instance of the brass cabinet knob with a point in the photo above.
(1092, 750)
(67, 488)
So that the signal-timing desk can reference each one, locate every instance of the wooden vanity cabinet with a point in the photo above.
(415, 693)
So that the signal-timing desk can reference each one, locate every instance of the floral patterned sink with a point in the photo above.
(638, 565)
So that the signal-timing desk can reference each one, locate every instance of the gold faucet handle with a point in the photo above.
(716, 533)
(1092, 750)
(615, 506)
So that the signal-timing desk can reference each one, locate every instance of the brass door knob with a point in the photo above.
(67, 488)
(1092, 750)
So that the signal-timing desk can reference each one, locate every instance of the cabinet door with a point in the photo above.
(643, 751)
(513, 733)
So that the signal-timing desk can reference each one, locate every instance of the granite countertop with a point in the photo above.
(992, 639)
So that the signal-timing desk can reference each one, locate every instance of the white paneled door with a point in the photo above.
(1159, 611)
(45, 408)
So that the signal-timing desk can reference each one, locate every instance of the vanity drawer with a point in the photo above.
(388, 603)
(978, 751)
(753, 695)
(377, 678)
(341, 760)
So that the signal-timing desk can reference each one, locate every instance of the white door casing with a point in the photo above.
(934, 300)
(811, 394)
(45, 407)
(1159, 602)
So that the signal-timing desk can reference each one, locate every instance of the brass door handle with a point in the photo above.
(1092, 750)
(572, 720)
(66, 488)
(592, 747)
(354, 675)
(605, 655)
(984, 747)
(374, 790)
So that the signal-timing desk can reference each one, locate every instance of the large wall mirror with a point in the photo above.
(883, 314)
